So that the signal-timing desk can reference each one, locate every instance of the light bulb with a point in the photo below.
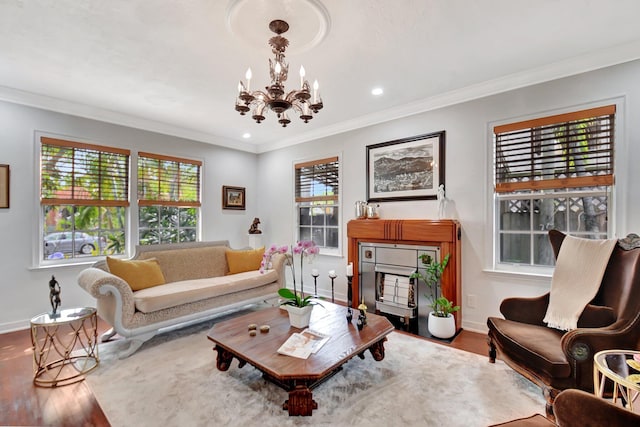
(248, 76)
(315, 91)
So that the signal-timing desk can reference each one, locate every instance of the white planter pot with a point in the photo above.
(442, 327)
(299, 316)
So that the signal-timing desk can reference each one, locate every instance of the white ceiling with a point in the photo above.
(173, 66)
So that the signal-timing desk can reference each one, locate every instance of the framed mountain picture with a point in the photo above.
(406, 169)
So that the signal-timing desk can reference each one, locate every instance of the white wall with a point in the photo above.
(468, 180)
(269, 182)
(23, 288)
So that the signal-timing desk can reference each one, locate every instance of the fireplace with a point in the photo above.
(386, 252)
(385, 283)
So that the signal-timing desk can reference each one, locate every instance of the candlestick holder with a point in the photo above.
(315, 275)
(332, 277)
(349, 299)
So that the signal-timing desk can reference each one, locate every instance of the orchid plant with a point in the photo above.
(305, 249)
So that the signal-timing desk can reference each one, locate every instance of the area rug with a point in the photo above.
(173, 381)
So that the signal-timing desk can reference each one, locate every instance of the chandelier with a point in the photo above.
(274, 96)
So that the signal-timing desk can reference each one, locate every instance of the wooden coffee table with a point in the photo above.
(298, 376)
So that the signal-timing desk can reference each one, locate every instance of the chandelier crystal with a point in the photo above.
(274, 97)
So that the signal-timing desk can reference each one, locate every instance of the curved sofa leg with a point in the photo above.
(135, 343)
(108, 335)
(492, 350)
(550, 395)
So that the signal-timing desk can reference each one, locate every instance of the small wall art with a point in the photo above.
(4, 186)
(233, 197)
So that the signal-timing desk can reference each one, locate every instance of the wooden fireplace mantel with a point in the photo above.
(444, 233)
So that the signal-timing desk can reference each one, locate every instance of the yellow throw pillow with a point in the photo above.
(246, 260)
(139, 274)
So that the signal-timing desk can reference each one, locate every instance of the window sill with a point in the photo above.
(62, 265)
(330, 253)
(523, 274)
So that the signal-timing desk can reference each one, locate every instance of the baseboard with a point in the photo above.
(478, 327)
(19, 325)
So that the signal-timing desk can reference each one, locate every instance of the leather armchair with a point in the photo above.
(556, 360)
(576, 408)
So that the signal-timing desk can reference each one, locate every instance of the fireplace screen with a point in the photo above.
(399, 290)
(395, 293)
(386, 284)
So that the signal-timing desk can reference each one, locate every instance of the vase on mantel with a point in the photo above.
(299, 316)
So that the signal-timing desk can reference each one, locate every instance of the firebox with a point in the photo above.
(386, 284)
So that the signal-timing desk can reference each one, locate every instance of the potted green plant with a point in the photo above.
(441, 321)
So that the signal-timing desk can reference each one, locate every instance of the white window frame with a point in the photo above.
(38, 232)
(296, 206)
(134, 184)
(616, 204)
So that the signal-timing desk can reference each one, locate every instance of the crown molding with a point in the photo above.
(572, 66)
(57, 105)
(569, 67)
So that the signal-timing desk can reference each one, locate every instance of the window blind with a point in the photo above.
(168, 181)
(563, 151)
(317, 180)
(75, 173)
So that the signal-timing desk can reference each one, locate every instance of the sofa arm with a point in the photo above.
(278, 264)
(114, 295)
(525, 310)
(578, 408)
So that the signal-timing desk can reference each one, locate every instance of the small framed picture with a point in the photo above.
(406, 169)
(233, 197)
(4, 186)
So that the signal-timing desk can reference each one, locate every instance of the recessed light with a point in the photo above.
(377, 91)
(246, 135)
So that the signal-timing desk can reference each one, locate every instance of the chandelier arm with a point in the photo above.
(259, 97)
(293, 95)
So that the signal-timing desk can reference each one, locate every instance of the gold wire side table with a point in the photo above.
(64, 346)
(621, 368)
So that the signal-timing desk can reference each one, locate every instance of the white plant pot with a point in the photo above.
(442, 327)
(299, 316)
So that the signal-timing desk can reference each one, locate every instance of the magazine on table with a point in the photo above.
(303, 344)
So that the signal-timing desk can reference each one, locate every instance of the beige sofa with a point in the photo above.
(197, 285)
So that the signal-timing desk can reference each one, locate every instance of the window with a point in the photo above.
(84, 193)
(168, 199)
(554, 172)
(317, 202)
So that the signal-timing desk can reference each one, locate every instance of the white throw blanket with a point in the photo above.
(576, 279)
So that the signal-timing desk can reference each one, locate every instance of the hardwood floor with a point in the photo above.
(22, 403)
